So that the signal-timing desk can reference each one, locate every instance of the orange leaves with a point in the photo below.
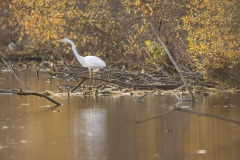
(137, 2)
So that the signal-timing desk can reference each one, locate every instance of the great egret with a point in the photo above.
(91, 62)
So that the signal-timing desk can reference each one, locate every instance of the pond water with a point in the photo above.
(104, 128)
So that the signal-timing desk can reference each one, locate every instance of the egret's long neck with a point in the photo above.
(80, 58)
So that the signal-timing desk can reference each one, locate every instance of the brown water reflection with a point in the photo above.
(103, 128)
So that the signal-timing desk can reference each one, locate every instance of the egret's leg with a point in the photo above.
(90, 77)
(90, 74)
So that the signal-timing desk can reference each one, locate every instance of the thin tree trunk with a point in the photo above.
(174, 63)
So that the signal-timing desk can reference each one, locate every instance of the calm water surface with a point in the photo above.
(103, 128)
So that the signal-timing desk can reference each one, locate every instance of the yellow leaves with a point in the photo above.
(10, 6)
(39, 19)
(147, 9)
(20, 38)
(178, 27)
(57, 21)
(140, 30)
(147, 42)
(48, 35)
(208, 41)
(137, 3)
(46, 21)
(177, 35)
(233, 44)
(40, 2)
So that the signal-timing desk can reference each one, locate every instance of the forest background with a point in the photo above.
(202, 35)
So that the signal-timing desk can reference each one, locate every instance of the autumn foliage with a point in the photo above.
(203, 35)
(95, 26)
(213, 35)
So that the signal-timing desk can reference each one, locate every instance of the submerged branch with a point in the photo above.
(155, 116)
(207, 115)
(192, 112)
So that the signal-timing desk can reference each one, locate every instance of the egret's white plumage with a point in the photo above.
(91, 62)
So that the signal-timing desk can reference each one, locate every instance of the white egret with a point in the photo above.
(91, 62)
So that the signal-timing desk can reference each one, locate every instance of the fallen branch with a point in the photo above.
(192, 112)
(81, 82)
(14, 74)
(23, 93)
(207, 115)
(155, 116)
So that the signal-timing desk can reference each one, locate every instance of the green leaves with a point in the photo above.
(156, 50)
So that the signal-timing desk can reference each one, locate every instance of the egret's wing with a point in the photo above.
(94, 62)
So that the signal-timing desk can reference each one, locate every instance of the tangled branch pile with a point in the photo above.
(117, 79)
